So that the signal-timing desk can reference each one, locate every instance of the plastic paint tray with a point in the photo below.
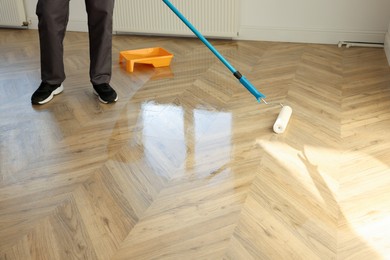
(158, 57)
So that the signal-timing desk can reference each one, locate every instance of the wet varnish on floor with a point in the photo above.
(185, 165)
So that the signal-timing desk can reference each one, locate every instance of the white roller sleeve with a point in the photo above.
(282, 120)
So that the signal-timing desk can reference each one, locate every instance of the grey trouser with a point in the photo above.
(53, 18)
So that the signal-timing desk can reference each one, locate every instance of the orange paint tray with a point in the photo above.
(158, 57)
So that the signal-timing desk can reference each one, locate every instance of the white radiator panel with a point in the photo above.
(218, 18)
(12, 13)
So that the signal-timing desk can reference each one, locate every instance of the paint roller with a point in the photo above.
(281, 122)
(286, 111)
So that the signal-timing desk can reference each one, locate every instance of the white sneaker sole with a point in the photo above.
(55, 92)
(101, 100)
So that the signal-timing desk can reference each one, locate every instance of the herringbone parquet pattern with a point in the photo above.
(185, 165)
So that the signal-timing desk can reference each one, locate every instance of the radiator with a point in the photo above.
(12, 13)
(213, 18)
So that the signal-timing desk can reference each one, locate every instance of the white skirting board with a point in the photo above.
(387, 46)
(305, 35)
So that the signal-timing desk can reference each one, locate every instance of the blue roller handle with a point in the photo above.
(244, 81)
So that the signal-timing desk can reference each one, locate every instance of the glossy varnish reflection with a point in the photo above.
(185, 165)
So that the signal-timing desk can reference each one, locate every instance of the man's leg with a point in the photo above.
(53, 17)
(100, 14)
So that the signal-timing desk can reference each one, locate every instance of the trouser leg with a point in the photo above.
(53, 16)
(100, 14)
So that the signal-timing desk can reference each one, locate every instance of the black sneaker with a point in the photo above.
(105, 93)
(45, 93)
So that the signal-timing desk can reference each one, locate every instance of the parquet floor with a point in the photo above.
(186, 166)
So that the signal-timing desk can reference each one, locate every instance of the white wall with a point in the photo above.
(324, 21)
(387, 44)
(316, 21)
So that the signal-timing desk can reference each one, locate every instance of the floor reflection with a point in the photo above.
(187, 140)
